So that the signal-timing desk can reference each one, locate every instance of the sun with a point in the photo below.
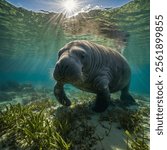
(70, 5)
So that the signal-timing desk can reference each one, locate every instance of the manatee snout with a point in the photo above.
(67, 69)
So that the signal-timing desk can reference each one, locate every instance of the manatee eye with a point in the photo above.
(61, 51)
(82, 54)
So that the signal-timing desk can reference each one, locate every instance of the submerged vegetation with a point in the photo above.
(136, 129)
(31, 127)
(44, 125)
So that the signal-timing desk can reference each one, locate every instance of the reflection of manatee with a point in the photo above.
(93, 68)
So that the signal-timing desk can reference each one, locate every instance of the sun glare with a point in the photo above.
(70, 5)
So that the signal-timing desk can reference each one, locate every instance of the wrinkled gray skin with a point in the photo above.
(92, 68)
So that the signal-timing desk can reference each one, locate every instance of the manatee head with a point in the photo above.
(73, 60)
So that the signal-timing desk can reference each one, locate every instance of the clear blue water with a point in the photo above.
(29, 42)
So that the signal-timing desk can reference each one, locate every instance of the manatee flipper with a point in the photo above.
(126, 98)
(60, 94)
(103, 95)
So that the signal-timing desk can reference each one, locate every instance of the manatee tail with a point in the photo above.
(126, 98)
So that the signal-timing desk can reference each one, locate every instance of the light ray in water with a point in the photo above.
(51, 70)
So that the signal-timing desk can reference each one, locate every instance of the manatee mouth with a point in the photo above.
(58, 73)
(68, 73)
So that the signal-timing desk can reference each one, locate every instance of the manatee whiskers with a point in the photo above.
(93, 68)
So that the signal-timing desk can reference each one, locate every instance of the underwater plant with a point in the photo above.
(27, 127)
(134, 122)
(130, 120)
(44, 125)
(41, 125)
(137, 137)
(137, 141)
(76, 126)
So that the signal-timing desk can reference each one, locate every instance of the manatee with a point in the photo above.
(93, 68)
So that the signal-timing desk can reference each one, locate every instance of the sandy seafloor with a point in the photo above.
(108, 133)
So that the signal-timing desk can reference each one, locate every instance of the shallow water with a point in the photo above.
(29, 41)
